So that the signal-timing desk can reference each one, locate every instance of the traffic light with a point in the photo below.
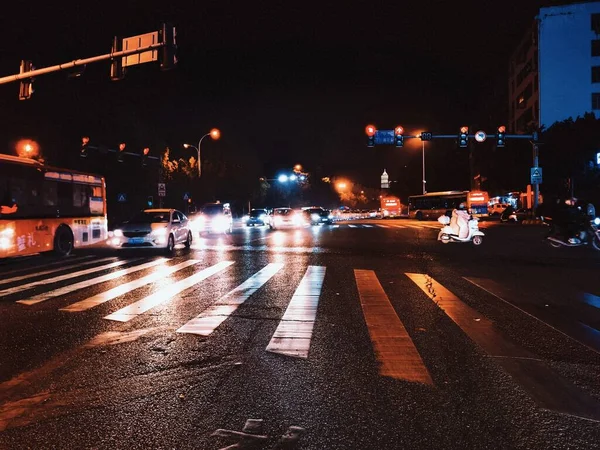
(84, 146)
(426, 136)
(116, 66)
(120, 152)
(463, 137)
(150, 201)
(167, 53)
(26, 87)
(500, 137)
(370, 130)
(398, 136)
(145, 154)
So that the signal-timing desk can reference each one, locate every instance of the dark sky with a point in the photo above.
(290, 82)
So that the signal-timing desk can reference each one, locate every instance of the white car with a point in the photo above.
(153, 228)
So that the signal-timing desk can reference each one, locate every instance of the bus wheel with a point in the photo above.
(63, 241)
(419, 215)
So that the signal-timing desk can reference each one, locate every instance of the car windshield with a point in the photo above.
(257, 212)
(212, 210)
(150, 217)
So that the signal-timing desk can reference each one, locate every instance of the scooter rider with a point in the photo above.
(570, 220)
(459, 222)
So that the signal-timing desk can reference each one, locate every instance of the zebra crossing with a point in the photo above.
(404, 225)
(393, 347)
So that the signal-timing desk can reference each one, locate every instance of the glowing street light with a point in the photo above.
(298, 168)
(27, 148)
(342, 185)
(215, 134)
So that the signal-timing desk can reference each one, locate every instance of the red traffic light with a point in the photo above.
(464, 130)
(398, 130)
(370, 130)
(146, 151)
(501, 129)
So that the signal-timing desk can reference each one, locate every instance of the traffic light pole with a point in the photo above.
(79, 62)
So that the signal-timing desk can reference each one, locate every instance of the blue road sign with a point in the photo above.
(536, 175)
(122, 198)
(384, 137)
(186, 196)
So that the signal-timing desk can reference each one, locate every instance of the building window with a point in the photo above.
(596, 47)
(596, 100)
(596, 23)
(596, 74)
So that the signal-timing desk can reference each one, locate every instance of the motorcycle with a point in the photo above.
(590, 235)
(447, 234)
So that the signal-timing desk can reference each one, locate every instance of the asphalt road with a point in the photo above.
(364, 335)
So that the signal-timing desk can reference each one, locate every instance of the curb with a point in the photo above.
(532, 222)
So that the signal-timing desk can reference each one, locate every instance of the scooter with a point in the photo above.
(589, 236)
(447, 234)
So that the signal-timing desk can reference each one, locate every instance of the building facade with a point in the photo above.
(554, 73)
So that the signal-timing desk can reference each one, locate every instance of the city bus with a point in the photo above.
(435, 204)
(45, 208)
(390, 207)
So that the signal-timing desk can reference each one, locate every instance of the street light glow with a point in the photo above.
(186, 145)
(26, 148)
(298, 168)
(215, 133)
(342, 185)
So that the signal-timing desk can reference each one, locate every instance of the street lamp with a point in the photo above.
(215, 134)
(423, 151)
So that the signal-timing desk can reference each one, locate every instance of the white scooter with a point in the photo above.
(447, 234)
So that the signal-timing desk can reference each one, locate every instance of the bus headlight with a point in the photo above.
(118, 233)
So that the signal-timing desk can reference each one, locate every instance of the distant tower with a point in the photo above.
(385, 180)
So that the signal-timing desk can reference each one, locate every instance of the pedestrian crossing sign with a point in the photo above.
(122, 198)
(536, 175)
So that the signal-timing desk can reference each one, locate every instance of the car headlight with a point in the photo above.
(263, 217)
(118, 233)
(220, 223)
(597, 221)
(246, 218)
(159, 232)
(330, 216)
(315, 217)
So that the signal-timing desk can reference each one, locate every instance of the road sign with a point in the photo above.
(480, 136)
(384, 137)
(186, 196)
(122, 198)
(162, 190)
(536, 175)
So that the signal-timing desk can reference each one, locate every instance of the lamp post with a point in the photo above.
(424, 181)
(215, 134)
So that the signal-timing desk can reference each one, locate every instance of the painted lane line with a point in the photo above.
(544, 386)
(103, 297)
(336, 226)
(141, 306)
(87, 283)
(398, 226)
(383, 226)
(367, 226)
(397, 355)
(208, 321)
(352, 226)
(585, 335)
(294, 332)
(68, 276)
(79, 263)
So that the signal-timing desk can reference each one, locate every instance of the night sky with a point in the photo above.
(287, 82)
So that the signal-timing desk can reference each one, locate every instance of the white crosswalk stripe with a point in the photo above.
(294, 333)
(76, 262)
(103, 297)
(68, 276)
(205, 323)
(165, 294)
(87, 283)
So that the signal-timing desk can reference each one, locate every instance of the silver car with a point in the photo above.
(154, 228)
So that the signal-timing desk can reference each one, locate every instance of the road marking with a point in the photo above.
(382, 226)
(68, 276)
(352, 226)
(544, 386)
(103, 297)
(208, 321)
(87, 283)
(336, 226)
(586, 336)
(367, 226)
(394, 349)
(61, 263)
(294, 333)
(589, 299)
(141, 306)
(398, 226)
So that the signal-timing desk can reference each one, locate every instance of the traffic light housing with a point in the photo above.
(167, 54)
(463, 137)
(120, 157)
(426, 136)
(117, 72)
(501, 136)
(145, 154)
(26, 86)
(84, 146)
(399, 136)
(150, 201)
(370, 130)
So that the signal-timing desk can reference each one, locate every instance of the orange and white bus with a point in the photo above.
(435, 204)
(44, 208)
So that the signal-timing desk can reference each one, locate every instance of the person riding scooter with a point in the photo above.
(569, 220)
(459, 222)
